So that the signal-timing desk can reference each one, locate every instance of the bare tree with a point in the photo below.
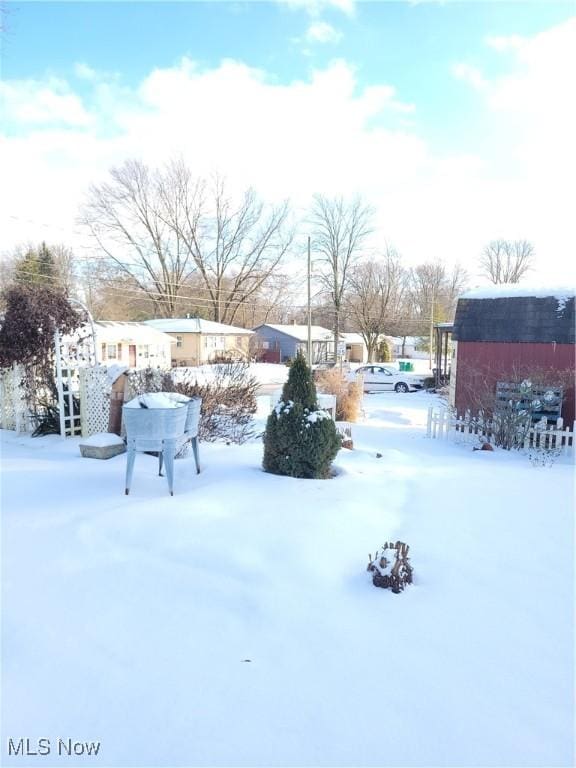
(272, 303)
(432, 297)
(376, 297)
(111, 294)
(435, 291)
(237, 249)
(127, 218)
(167, 230)
(506, 261)
(339, 230)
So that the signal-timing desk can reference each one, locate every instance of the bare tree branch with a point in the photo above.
(162, 228)
(376, 296)
(339, 230)
(506, 261)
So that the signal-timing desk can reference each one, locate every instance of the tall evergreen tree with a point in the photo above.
(47, 270)
(36, 268)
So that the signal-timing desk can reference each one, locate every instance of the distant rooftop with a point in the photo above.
(195, 325)
(300, 332)
(116, 330)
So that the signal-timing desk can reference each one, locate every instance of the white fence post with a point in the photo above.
(59, 387)
(15, 395)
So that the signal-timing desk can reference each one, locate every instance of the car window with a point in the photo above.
(385, 371)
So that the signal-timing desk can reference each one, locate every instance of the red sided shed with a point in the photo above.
(510, 333)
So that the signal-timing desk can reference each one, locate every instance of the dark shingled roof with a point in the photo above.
(516, 319)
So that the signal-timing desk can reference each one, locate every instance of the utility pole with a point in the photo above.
(431, 326)
(309, 307)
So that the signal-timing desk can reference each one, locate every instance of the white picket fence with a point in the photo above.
(443, 423)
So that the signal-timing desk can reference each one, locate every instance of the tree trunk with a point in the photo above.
(336, 331)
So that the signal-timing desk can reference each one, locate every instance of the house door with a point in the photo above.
(132, 355)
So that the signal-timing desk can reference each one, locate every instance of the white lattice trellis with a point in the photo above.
(73, 354)
(14, 413)
(95, 389)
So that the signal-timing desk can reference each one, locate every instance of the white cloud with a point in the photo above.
(323, 134)
(534, 98)
(532, 110)
(41, 102)
(322, 32)
(504, 43)
(315, 7)
(469, 74)
(84, 72)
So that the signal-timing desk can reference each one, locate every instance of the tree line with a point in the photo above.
(167, 243)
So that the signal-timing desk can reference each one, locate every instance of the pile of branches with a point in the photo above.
(391, 568)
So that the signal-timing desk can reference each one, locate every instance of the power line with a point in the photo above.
(202, 303)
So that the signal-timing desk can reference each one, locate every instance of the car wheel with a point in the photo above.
(401, 387)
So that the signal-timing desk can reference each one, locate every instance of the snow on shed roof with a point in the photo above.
(300, 332)
(195, 325)
(509, 290)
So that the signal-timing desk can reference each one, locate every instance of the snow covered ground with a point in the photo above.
(235, 625)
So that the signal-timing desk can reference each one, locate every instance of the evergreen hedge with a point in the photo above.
(300, 439)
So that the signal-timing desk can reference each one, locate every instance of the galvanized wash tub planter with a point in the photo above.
(154, 429)
(194, 405)
(192, 425)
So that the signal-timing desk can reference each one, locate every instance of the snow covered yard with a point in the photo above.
(234, 624)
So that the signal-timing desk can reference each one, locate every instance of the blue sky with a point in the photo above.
(457, 76)
(409, 45)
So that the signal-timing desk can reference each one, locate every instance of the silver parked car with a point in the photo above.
(379, 378)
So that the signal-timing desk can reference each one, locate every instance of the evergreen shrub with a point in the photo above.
(300, 439)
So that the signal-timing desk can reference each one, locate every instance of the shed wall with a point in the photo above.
(481, 364)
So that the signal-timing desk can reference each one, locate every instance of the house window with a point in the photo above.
(239, 341)
(111, 352)
(179, 341)
(214, 342)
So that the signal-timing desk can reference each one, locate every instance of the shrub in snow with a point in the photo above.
(391, 568)
(348, 393)
(507, 412)
(544, 457)
(300, 439)
(228, 397)
(228, 401)
(32, 314)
